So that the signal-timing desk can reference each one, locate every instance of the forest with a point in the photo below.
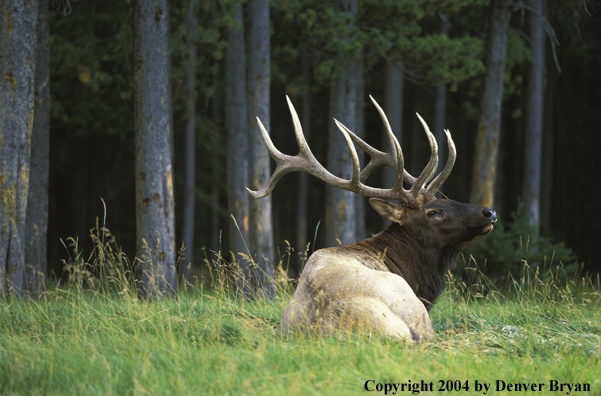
(516, 82)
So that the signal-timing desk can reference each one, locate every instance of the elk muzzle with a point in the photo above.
(490, 216)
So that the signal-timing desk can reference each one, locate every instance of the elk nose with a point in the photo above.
(489, 214)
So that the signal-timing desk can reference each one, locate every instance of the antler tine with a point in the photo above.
(432, 165)
(282, 160)
(378, 158)
(304, 161)
(395, 146)
(298, 132)
(356, 182)
(446, 171)
(433, 149)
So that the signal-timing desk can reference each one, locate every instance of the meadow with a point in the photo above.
(77, 341)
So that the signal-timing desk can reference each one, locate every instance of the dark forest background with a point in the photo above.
(92, 119)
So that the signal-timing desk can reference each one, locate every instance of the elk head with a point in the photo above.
(438, 223)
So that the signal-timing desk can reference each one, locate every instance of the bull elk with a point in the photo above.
(385, 284)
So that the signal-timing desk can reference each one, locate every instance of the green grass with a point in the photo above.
(87, 343)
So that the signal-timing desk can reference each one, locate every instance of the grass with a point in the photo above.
(93, 336)
(102, 343)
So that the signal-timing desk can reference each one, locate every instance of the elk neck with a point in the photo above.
(423, 267)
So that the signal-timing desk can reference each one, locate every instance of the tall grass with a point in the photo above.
(93, 336)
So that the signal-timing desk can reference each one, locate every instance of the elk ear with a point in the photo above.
(387, 210)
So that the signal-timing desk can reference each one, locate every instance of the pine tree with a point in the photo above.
(154, 180)
(17, 50)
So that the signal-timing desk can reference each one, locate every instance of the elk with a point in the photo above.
(385, 284)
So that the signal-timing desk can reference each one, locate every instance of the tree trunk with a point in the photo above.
(190, 153)
(439, 124)
(548, 202)
(534, 135)
(237, 144)
(36, 260)
(393, 107)
(360, 131)
(154, 185)
(215, 216)
(303, 180)
(489, 126)
(341, 213)
(17, 68)
(216, 204)
(440, 108)
(261, 231)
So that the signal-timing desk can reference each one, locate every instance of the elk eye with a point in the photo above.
(434, 214)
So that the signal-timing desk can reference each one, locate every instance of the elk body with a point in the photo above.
(385, 284)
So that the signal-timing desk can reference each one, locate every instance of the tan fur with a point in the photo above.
(343, 293)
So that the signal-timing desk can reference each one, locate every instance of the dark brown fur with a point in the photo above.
(420, 248)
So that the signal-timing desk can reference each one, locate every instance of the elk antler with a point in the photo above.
(305, 161)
